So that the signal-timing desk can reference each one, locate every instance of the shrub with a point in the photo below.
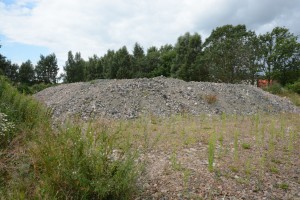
(73, 165)
(274, 88)
(295, 87)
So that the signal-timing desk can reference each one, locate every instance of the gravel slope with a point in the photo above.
(130, 98)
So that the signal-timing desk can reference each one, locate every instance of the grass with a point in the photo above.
(74, 161)
(102, 159)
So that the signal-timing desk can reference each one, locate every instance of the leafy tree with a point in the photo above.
(187, 48)
(167, 56)
(74, 68)
(152, 62)
(122, 62)
(228, 54)
(138, 60)
(47, 69)
(281, 55)
(109, 69)
(2, 63)
(11, 71)
(26, 72)
(93, 69)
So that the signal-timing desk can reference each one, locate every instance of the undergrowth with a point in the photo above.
(71, 162)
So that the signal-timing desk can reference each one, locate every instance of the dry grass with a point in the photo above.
(251, 152)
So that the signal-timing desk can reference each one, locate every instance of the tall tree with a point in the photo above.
(93, 68)
(227, 53)
(11, 71)
(26, 72)
(187, 48)
(138, 60)
(167, 57)
(47, 69)
(109, 69)
(74, 68)
(281, 55)
(152, 62)
(122, 61)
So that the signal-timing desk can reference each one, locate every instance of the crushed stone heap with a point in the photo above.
(130, 98)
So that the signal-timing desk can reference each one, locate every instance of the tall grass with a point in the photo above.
(72, 162)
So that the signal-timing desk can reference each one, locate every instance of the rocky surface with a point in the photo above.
(130, 98)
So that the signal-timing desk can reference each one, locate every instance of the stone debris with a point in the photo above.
(160, 96)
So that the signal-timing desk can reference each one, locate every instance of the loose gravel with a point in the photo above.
(160, 96)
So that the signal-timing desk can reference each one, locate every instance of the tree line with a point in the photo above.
(231, 54)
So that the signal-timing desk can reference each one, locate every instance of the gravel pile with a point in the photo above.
(130, 98)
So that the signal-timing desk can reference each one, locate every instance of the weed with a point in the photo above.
(90, 165)
(246, 146)
(211, 98)
(283, 186)
(274, 169)
(211, 151)
(176, 165)
(236, 145)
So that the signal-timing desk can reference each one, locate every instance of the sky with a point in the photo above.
(29, 28)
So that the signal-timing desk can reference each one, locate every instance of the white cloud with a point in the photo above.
(93, 26)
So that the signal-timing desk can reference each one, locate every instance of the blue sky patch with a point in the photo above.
(18, 52)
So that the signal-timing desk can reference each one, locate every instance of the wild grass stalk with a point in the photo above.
(236, 145)
(211, 151)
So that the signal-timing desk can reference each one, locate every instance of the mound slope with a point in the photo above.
(130, 98)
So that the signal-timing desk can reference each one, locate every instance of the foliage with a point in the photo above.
(21, 110)
(26, 72)
(228, 53)
(275, 88)
(32, 89)
(295, 87)
(46, 69)
(78, 164)
(6, 129)
(231, 54)
(280, 55)
(74, 68)
(187, 48)
(66, 163)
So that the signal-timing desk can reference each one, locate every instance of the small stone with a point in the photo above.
(164, 191)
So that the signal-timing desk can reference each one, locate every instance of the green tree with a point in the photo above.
(281, 55)
(26, 72)
(93, 69)
(109, 69)
(138, 60)
(2, 63)
(122, 62)
(167, 56)
(227, 53)
(187, 48)
(152, 62)
(74, 68)
(47, 69)
(11, 71)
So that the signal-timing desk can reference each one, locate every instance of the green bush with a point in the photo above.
(275, 88)
(20, 109)
(295, 87)
(73, 165)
